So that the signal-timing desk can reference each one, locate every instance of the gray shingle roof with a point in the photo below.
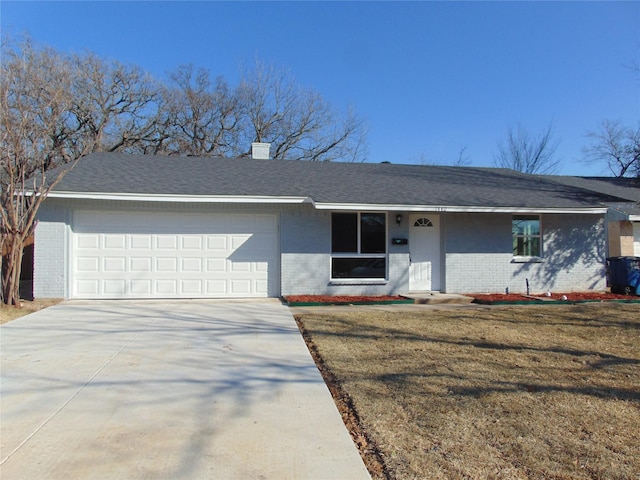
(324, 182)
(626, 190)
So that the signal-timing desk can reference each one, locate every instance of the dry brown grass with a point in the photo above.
(8, 313)
(503, 393)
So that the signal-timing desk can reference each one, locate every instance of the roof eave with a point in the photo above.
(138, 197)
(318, 205)
(459, 208)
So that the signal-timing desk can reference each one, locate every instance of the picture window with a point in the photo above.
(358, 245)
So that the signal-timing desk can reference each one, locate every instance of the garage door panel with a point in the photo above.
(167, 264)
(88, 240)
(238, 240)
(167, 242)
(216, 265)
(216, 287)
(87, 287)
(141, 242)
(88, 264)
(115, 264)
(192, 265)
(115, 241)
(167, 288)
(192, 242)
(141, 264)
(262, 267)
(262, 286)
(191, 287)
(115, 287)
(140, 255)
(265, 223)
(242, 223)
(217, 243)
(241, 286)
(241, 267)
(141, 287)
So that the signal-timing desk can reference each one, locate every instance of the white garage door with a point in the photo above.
(636, 239)
(163, 255)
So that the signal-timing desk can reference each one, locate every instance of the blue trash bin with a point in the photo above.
(624, 275)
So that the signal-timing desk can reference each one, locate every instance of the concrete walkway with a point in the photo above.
(166, 390)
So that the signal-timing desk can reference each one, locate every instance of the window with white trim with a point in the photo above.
(358, 245)
(527, 239)
(423, 222)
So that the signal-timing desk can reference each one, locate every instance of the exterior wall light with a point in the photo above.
(399, 218)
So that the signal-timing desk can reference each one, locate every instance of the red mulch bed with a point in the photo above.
(516, 298)
(570, 297)
(343, 299)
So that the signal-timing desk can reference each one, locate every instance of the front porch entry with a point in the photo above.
(424, 248)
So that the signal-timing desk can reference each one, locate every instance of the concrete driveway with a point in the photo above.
(173, 389)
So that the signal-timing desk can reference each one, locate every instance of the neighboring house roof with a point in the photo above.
(326, 184)
(626, 189)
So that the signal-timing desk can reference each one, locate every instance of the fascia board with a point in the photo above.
(317, 205)
(177, 198)
(456, 208)
(634, 218)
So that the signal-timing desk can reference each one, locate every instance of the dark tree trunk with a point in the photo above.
(11, 268)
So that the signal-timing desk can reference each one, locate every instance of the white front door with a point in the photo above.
(424, 247)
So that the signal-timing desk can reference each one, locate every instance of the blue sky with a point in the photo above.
(429, 78)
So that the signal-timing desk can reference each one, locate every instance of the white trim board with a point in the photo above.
(320, 205)
(140, 197)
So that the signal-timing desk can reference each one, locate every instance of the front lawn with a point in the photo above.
(529, 392)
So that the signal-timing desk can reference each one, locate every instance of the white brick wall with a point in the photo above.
(50, 252)
(306, 258)
(573, 255)
(54, 230)
(477, 273)
(477, 251)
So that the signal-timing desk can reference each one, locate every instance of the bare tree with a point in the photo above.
(298, 122)
(202, 116)
(114, 104)
(525, 153)
(37, 132)
(54, 109)
(616, 146)
(463, 159)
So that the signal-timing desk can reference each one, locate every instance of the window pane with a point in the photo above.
(358, 268)
(526, 246)
(526, 225)
(526, 235)
(373, 233)
(344, 232)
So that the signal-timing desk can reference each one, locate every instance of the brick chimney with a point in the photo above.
(260, 151)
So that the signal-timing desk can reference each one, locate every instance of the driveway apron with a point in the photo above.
(166, 390)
